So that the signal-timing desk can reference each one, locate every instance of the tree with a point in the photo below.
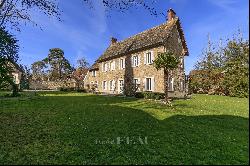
(38, 70)
(82, 63)
(8, 59)
(13, 12)
(223, 70)
(60, 66)
(125, 5)
(168, 62)
(236, 79)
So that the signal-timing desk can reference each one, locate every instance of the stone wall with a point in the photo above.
(53, 85)
(140, 72)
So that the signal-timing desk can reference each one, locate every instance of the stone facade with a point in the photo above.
(108, 75)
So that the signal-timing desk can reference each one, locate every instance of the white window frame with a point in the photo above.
(135, 59)
(105, 67)
(112, 85)
(171, 82)
(182, 85)
(112, 65)
(182, 62)
(104, 85)
(93, 73)
(139, 82)
(146, 57)
(151, 85)
(120, 88)
(122, 63)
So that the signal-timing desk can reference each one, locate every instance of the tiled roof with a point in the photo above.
(149, 38)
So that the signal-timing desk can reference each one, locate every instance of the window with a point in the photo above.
(112, 85)
(122, 63)
(121, 86)
(112, 65)
(148, 58)
(181, 62)
(93, 73)
(149, 84)
(182, 83)
(171, 84)
(135, 61)
(104, 85)
(137, 83)
(105, 67)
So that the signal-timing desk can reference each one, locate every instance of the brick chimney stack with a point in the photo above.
(170, 14)
(113, 41)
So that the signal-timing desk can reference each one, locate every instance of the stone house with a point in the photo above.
(131, 61)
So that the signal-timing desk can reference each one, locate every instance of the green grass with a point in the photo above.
(74, 128)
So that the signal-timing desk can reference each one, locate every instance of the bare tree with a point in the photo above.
(14, 12)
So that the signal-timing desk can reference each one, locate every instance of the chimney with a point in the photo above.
(113, 41)
(170, 14)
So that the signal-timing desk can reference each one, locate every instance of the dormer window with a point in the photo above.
(94, 73)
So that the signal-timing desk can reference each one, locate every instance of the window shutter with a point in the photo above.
(120, 63)
(145, 58)
(132, 63)
(139, 60)
(102, 67)
(153, 84)
(124, 63)
(144, 82)
(172, 84)
(152, 56)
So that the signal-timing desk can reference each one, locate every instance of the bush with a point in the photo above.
(82, 90)
(68, 89)
(150, 95)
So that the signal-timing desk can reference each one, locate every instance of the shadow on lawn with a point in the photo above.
(78, 130)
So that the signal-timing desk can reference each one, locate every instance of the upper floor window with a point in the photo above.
(112, 65)
(135, 60)
(148, 58)
(93, 73)
(105, 67)
(122, 63)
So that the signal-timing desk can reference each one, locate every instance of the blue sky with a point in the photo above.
(86, 32)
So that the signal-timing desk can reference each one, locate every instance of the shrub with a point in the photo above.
(139, 95)
(150, 95)
(82, 90)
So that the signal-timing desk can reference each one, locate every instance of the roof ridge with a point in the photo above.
(165, 23)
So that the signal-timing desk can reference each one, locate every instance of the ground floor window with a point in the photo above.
(104, 85)
(149, 84)
(112, 85)
(121, 86)
(137, 83)
(182, 83)
(171, 84)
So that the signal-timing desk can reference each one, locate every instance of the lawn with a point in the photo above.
(75, 128)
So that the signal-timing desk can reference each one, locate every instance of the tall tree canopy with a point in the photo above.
(54, 67)
(8, 59)
(223, 70)
(14, 12)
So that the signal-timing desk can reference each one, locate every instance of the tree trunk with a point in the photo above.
(166, 78)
